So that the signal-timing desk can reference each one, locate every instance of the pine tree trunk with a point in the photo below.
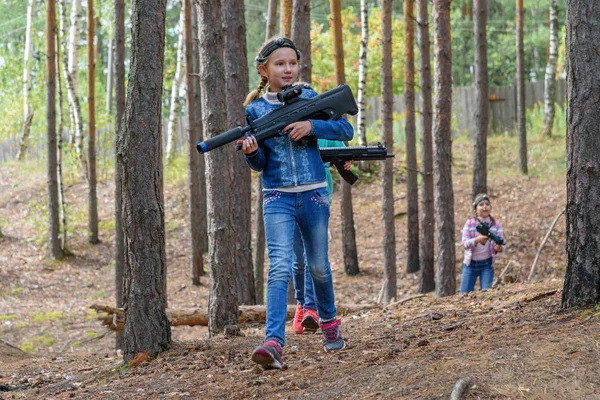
(582, 278)
(119, 15)
(442, 157)
(110, 67)
(481, 98)
(236, 73)
(549, 80)
(387, 183)
(259, 244)
(92, 196)
(139, 151)
(27, 107)
(223, 301)
(176, 85)
(301, 37)
(53, 221)
(197, 262)
(362, 73)
(286, 18)
(271, 19)
(412, 190)
(426, 240)
(521, 121)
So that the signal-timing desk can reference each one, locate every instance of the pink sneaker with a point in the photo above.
(310, 322)
(269, 355)
(298, 318)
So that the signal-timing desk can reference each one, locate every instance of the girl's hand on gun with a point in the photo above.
(498, 248)
(249, 145)
(298, 130)
(481, 239)
(348, 165)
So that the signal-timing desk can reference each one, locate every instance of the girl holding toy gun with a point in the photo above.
(295, 194)
(480, 251)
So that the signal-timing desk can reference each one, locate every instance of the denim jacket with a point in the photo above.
(285, 162)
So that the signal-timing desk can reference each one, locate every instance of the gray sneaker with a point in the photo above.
(333, 339)
(269, 355)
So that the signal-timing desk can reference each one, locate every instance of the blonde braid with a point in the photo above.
(255, 94)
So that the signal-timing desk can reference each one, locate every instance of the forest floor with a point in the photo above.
(513, 341)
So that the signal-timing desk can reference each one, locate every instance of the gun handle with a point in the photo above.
(348, 176)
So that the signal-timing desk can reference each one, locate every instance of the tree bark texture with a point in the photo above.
(271, 19)
(442, 157)
(53, 220)
(582, 278)
(521, 121)
(197, 262)
(259, 244)
(286, 18)
(427, 226)
(389, 232)
(550, 78)
(110, 66)
(236, 73)
(91, 74)
(301, 37)
(62, 205)
(223, 299)
(362, 73)
(119, 15)
(482, 113)
(174, 105)
(412, 189)
(139, 151)
(27, 86)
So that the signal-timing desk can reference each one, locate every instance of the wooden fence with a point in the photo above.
(503, 116)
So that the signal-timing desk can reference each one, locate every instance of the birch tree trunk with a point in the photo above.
(387, 182)
(550, 78)
(271, 19)
(582, 278)
(521, 121)
(53, 221)
(442, 157)
(301, 38)
(362, 73)
(236, 83)
(223, 301)
(139, 151)
(62, 205)
(92, 196)
(482, 112)
(27, 107)
(175, 86)
(426, 240)
(412, 190)
(286, 18)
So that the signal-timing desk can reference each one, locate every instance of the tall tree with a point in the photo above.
(223, 301)
(175, 86)
(197, 263)
(301, 37)
(348, 232)
(53, 221)
(412, 190)
(110, 70)
(286, 18)
(139, 151)
(387, 182)
(442, 157)
(27, 86)
(362, 73)
(582, 278)
(550, 80)
(62, 204)
(481, 98)
(236, 73)
(271, 19)
(426, 239)
(119, 16)
(92, 196)
(521, 122)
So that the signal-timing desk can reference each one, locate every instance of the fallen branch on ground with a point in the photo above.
(537, 256)
(461, 388)
(113, 318)
(417, 296)
(501, 274)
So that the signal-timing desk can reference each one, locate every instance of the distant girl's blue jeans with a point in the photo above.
(483, 269)
(282, 212)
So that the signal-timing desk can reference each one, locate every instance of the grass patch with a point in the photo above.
(8, 317)
(47, 316)
(17, 291)
(30, 345)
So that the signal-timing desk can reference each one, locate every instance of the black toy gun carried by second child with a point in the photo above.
(485, 231)
(326, 106)
(339, 155)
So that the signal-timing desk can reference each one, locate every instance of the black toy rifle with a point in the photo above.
(485, 231)
(326, 106)
(339, 155)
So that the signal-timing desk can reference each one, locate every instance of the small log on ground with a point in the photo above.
(113, 317)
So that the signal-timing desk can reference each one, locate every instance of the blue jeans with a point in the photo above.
(484, 269)
(282, 212)
(303, 284)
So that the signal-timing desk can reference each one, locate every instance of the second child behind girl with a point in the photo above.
(295, 194)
